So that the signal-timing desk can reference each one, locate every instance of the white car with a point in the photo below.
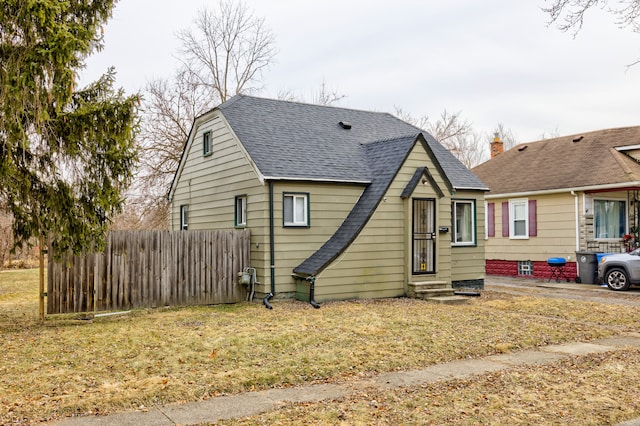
(620, 271)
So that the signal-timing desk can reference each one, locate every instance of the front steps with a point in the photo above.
(435, 291)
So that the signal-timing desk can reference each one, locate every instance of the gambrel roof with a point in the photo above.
(587, 160)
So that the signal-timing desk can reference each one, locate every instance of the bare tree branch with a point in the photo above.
(454, 133)
(228, 49)
(222, 56)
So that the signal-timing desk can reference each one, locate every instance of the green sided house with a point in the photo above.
(352, 204)
(557, 197)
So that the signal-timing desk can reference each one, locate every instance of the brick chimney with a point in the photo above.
(497, 146)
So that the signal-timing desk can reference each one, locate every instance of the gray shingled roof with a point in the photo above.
(290, 140)
(302, 141)
(384, 161)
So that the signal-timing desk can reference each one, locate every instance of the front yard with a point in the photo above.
(70, 366)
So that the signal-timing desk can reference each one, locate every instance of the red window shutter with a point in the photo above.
(533, 218)
(505, 218)
(491, 219)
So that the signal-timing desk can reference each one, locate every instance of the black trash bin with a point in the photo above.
(587, 266)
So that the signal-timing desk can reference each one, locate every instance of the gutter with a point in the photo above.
(620, 186)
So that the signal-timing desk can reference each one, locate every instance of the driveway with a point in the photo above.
(562, 290)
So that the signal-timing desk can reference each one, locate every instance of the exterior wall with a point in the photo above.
(556, 234)
(419, 158)
(329, 205)
(556, 231)
(541, 270)
(467, 262)
(209, 185)
(378, 262)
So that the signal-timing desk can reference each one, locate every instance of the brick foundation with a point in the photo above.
(541, 270)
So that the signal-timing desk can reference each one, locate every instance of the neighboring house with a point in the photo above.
(556, 197)
(360, 203)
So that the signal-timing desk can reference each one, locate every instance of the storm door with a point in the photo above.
(424, 236)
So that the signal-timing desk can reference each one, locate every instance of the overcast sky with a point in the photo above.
(495, 61)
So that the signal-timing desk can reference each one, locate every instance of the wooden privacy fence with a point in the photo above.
(144, 269)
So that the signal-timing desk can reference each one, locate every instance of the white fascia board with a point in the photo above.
(627, 148)
(563, 190)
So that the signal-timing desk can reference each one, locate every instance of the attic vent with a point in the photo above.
(522, 148)
(345, 125)
(578, 139)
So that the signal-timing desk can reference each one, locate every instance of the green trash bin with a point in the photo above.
(587, 266)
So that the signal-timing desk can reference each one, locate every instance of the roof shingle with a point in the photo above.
(581, 160)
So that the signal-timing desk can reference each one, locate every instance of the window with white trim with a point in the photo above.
(609, 218)
(464, 232)
(241, 210)
(296, 209)
(184, 217)
(519, 218)
(207, 148)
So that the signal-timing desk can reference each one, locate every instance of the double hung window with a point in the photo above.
(463, 212)
(296, 209)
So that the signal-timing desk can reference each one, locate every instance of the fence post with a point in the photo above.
(42, 293)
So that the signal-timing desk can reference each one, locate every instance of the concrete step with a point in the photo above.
(429, 284)
(428, 290)
(448, 300)
(424, 293)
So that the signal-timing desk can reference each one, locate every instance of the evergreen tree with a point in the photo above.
(66, 155)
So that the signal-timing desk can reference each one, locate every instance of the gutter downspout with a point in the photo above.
(272, 250)
(575, 196)
(311, 279)
(312, 285)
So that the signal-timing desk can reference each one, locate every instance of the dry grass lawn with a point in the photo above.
(74, 367)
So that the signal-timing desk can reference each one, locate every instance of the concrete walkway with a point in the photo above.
(251, 403)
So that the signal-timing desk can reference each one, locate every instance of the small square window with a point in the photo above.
(296, 209)
(184, 217)
(207, 149)
(241, 210)
(525, 267)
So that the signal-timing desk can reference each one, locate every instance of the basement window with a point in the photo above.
(525, 267)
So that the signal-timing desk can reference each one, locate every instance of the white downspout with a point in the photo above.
(575, 196)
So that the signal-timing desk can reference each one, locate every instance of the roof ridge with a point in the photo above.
(395, 138)
(302, 103)
(574, 135)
